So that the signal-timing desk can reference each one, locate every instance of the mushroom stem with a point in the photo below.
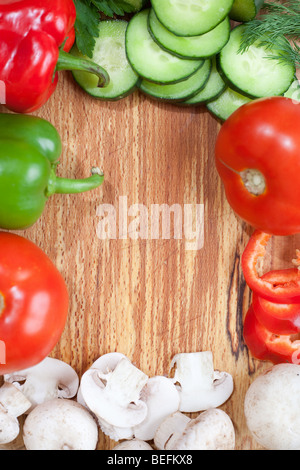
(200, 387)
(111, 390)
(131, 379)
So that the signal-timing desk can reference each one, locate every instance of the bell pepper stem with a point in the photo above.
(67, 61)
(75, 186)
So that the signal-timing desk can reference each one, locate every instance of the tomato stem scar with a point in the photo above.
(254, 181)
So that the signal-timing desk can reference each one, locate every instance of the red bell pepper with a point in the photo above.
(272, 323)
(280, 288)
(267, 346)
(35, 36)
(277, 317)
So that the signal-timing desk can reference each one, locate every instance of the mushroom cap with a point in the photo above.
(13, 400)
(49, 379)
(162, 399)
(60, 424)
(114, 396)
(133, 444)
(211, 430)
(9, 427)
(105, 364)
(170, 430)
(115, 433)
(108, 362)
(17, 443)
(13, 404)
(272, 408)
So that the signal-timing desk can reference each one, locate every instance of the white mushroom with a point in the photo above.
(113, 394)
(133, 444)
(170, 430)
(211, 430)
(45, 381)
(106, 364)
(200, 386)
(272, 408)
(13, 404)
(60, 424)
(162, 399)
(116, 433)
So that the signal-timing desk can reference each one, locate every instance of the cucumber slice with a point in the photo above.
(203, 46)
(228, 102)
(178, 91)
(212, 89)
(149, 60)
(254, 72)
(245, 10)
(109, 52)
(191, 17)
(294, 91)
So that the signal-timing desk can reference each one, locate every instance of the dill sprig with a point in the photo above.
(278, 28)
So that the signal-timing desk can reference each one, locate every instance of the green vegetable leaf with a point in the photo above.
(113, 7)
(86, 26)
(88, 18)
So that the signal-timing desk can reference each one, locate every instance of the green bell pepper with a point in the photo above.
(29, 152)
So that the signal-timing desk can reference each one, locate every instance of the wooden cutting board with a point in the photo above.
(147, 298)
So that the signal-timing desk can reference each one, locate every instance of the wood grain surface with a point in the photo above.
(149, 299)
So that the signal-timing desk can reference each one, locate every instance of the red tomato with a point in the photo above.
(258, 160)
(33, 304)
(268, 346)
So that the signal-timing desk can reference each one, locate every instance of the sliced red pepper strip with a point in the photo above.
(276, 317)
(267, 346)
(279, 290)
